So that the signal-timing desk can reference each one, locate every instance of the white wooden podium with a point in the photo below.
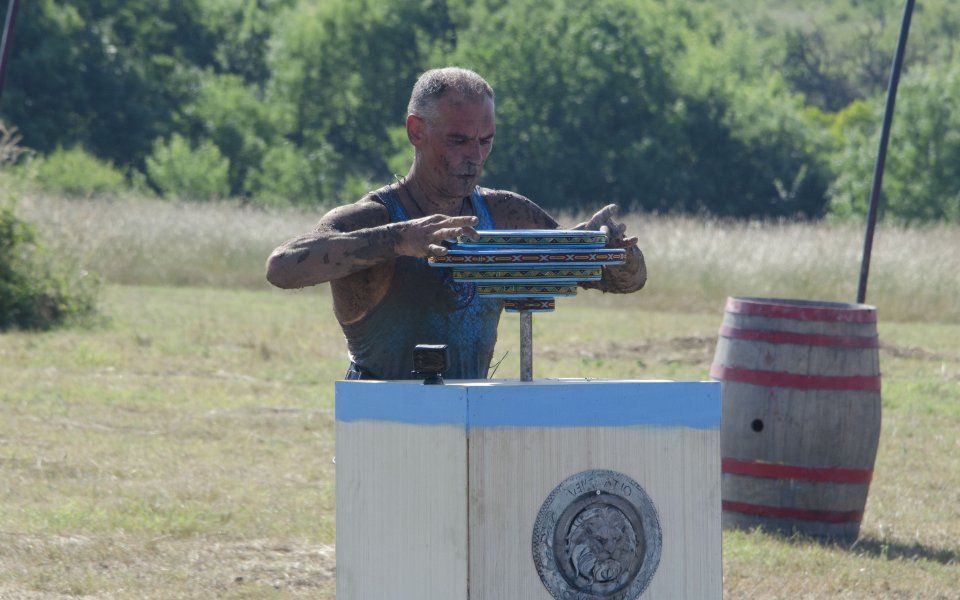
(443, 490)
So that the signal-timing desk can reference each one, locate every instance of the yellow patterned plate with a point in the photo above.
(526, 291)
(534, 238)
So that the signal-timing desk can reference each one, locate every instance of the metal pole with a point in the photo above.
(882, 152)
(526, 345)
(7, 41)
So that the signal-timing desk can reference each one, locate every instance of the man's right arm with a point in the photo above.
(352, 238)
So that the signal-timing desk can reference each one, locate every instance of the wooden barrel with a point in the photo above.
(801, 414)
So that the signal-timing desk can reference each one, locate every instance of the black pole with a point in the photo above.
(882, 151)
(7, 40)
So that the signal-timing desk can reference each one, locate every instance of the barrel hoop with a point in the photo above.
(752, 468)
(806, 339)
(783, 512)
(802, 313)
(866, 383)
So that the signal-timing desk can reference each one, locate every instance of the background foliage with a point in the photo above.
(753, 108)
(36, 292)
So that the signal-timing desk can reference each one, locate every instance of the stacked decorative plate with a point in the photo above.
(528, 268)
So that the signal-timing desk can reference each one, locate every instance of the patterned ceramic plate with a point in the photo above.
(534, 257)
(526, 291)
(517, 276)
(534, 238)
(530, 304)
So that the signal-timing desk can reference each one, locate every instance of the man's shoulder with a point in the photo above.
(366, 212)
(503, 196)
(511, 210)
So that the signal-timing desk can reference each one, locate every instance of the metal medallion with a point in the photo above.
(597, 537)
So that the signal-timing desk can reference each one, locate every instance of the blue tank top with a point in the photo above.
(425, 306)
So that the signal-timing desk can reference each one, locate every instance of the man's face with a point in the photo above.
(454, 144)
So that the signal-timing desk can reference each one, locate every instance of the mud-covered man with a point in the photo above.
(373, 252)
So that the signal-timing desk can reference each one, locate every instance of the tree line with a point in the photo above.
(732, 108)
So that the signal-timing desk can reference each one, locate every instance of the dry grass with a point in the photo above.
(60, 567)
(183, 449)
(694, 264)
(180, 448)
(152, 242)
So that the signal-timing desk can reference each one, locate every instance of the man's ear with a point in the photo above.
(415, 129)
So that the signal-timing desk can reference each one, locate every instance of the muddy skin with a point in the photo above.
(622, 279)
(380, 246)
(356, 295)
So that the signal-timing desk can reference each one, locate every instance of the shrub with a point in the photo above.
(187, 173)
(291, 175)
(36, 291)
(76, 173)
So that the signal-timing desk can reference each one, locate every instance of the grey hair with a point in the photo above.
(432, 85)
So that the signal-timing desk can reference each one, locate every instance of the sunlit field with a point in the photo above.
(181, 446)
(694, 264)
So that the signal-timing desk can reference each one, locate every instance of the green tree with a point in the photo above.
(837, 52)
(227, 112)
(244, 29)
(184, 172)
(844, 54)
(342, 73)
(700, 106)
(644, 104)
(920, 181)
(105, 75)
(583, 98)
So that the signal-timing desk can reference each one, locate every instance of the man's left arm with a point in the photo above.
(618, 279)
(512, 211)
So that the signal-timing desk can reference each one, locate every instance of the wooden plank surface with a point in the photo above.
(401, 511)
(438, 487)
(513, 470)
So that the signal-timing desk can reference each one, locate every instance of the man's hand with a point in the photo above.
(422, 237)
(603, 221)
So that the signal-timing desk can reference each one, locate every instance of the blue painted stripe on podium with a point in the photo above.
(400, 402)
(598, 404)
(551, 404)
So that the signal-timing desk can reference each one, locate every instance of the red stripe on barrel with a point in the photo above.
(868, 383)
(780, 512)
(752, 468)
(797, 310)
(807, 339)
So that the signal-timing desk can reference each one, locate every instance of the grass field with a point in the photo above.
(181, 446)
